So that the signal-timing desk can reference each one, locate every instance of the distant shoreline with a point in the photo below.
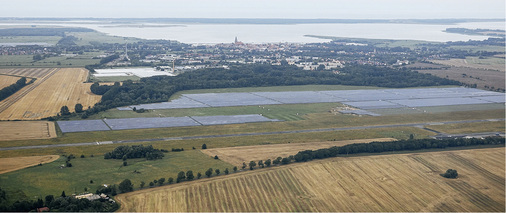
(248, 20)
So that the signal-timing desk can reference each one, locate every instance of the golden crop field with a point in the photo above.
(13, 164)
(64, 87)
(6, 80)
(240, 154)
(21, 130)
(379, 183)
(474, 62)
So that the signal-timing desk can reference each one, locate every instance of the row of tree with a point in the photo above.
(13, 88)
(400, 145)
(134, 151)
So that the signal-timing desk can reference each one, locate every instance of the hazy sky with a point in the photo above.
(339, 9)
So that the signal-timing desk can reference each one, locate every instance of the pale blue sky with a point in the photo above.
(338, 9)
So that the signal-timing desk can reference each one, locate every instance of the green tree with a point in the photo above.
(49, 199)
(217, 171)
(151, 184)
(204, 146)
(142, 184)
(125, 163)
(161, 181)
(126, 186)
(243, 165)
(226, 171)
(78, 108)
(267, 162)
(252, 164)
(63, 194)
(261, 163)
(189, 175)
(235, 168)
(171, 180)
(285, 160)
(180, 176)
(216, 157)
(199, 175)
(209, 172)
(64, 110)
(450, 173)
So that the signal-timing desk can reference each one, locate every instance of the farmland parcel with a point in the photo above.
(406, 182)
(45, 97)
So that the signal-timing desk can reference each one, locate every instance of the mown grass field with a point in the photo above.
(497, 126)
(392, 183)
(51, 179)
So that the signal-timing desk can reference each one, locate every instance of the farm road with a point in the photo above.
(420, 125)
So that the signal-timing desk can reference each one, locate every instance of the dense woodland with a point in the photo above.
(160, 88)
(135, 151)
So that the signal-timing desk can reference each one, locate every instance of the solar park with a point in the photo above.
(360, 102)
(361, 99)
(159, 122)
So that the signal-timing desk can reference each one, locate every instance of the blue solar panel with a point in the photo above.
(373, 104)
(230, 99)
(82, 126)
(299, 97)
(428, 102)
(231, 119)
(145, 123)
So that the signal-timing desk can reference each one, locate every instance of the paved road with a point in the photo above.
(420, 125)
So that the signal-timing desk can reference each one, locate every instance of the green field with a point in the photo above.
(30, 39)
(15, 61)
(74, 179)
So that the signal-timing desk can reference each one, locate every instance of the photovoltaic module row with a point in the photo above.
(363, 99)
(156, 122)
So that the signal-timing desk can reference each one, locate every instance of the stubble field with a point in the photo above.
(238, 155)
(23, 130)
(402, 182)
(13, 164)
(45, 98)
(6, 80)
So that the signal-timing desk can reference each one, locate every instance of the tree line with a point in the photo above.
(13, 88)
(400, 145)
(161, 88)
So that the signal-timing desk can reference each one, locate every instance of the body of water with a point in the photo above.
(274, 33)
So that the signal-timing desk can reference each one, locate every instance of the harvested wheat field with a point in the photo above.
(6, 80)
(402, 182)
(22, 130)
(13, 164)
(238, 155)
(64, 87)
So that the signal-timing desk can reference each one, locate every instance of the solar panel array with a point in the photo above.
(156, 122)
(362, 99)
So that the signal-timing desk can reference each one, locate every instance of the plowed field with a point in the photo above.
(63, 87)
(238, 155)
(21, 130)
(392, 183)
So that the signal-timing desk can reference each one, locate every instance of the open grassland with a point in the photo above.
(392, 183)
(13, 164)
(63, 88)
(51, 179)
(29, 39)
(6, 80)
(497, 126)
(240, 154)
(312, 121)
(491, 63)
(398, 133)
(23, 130)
